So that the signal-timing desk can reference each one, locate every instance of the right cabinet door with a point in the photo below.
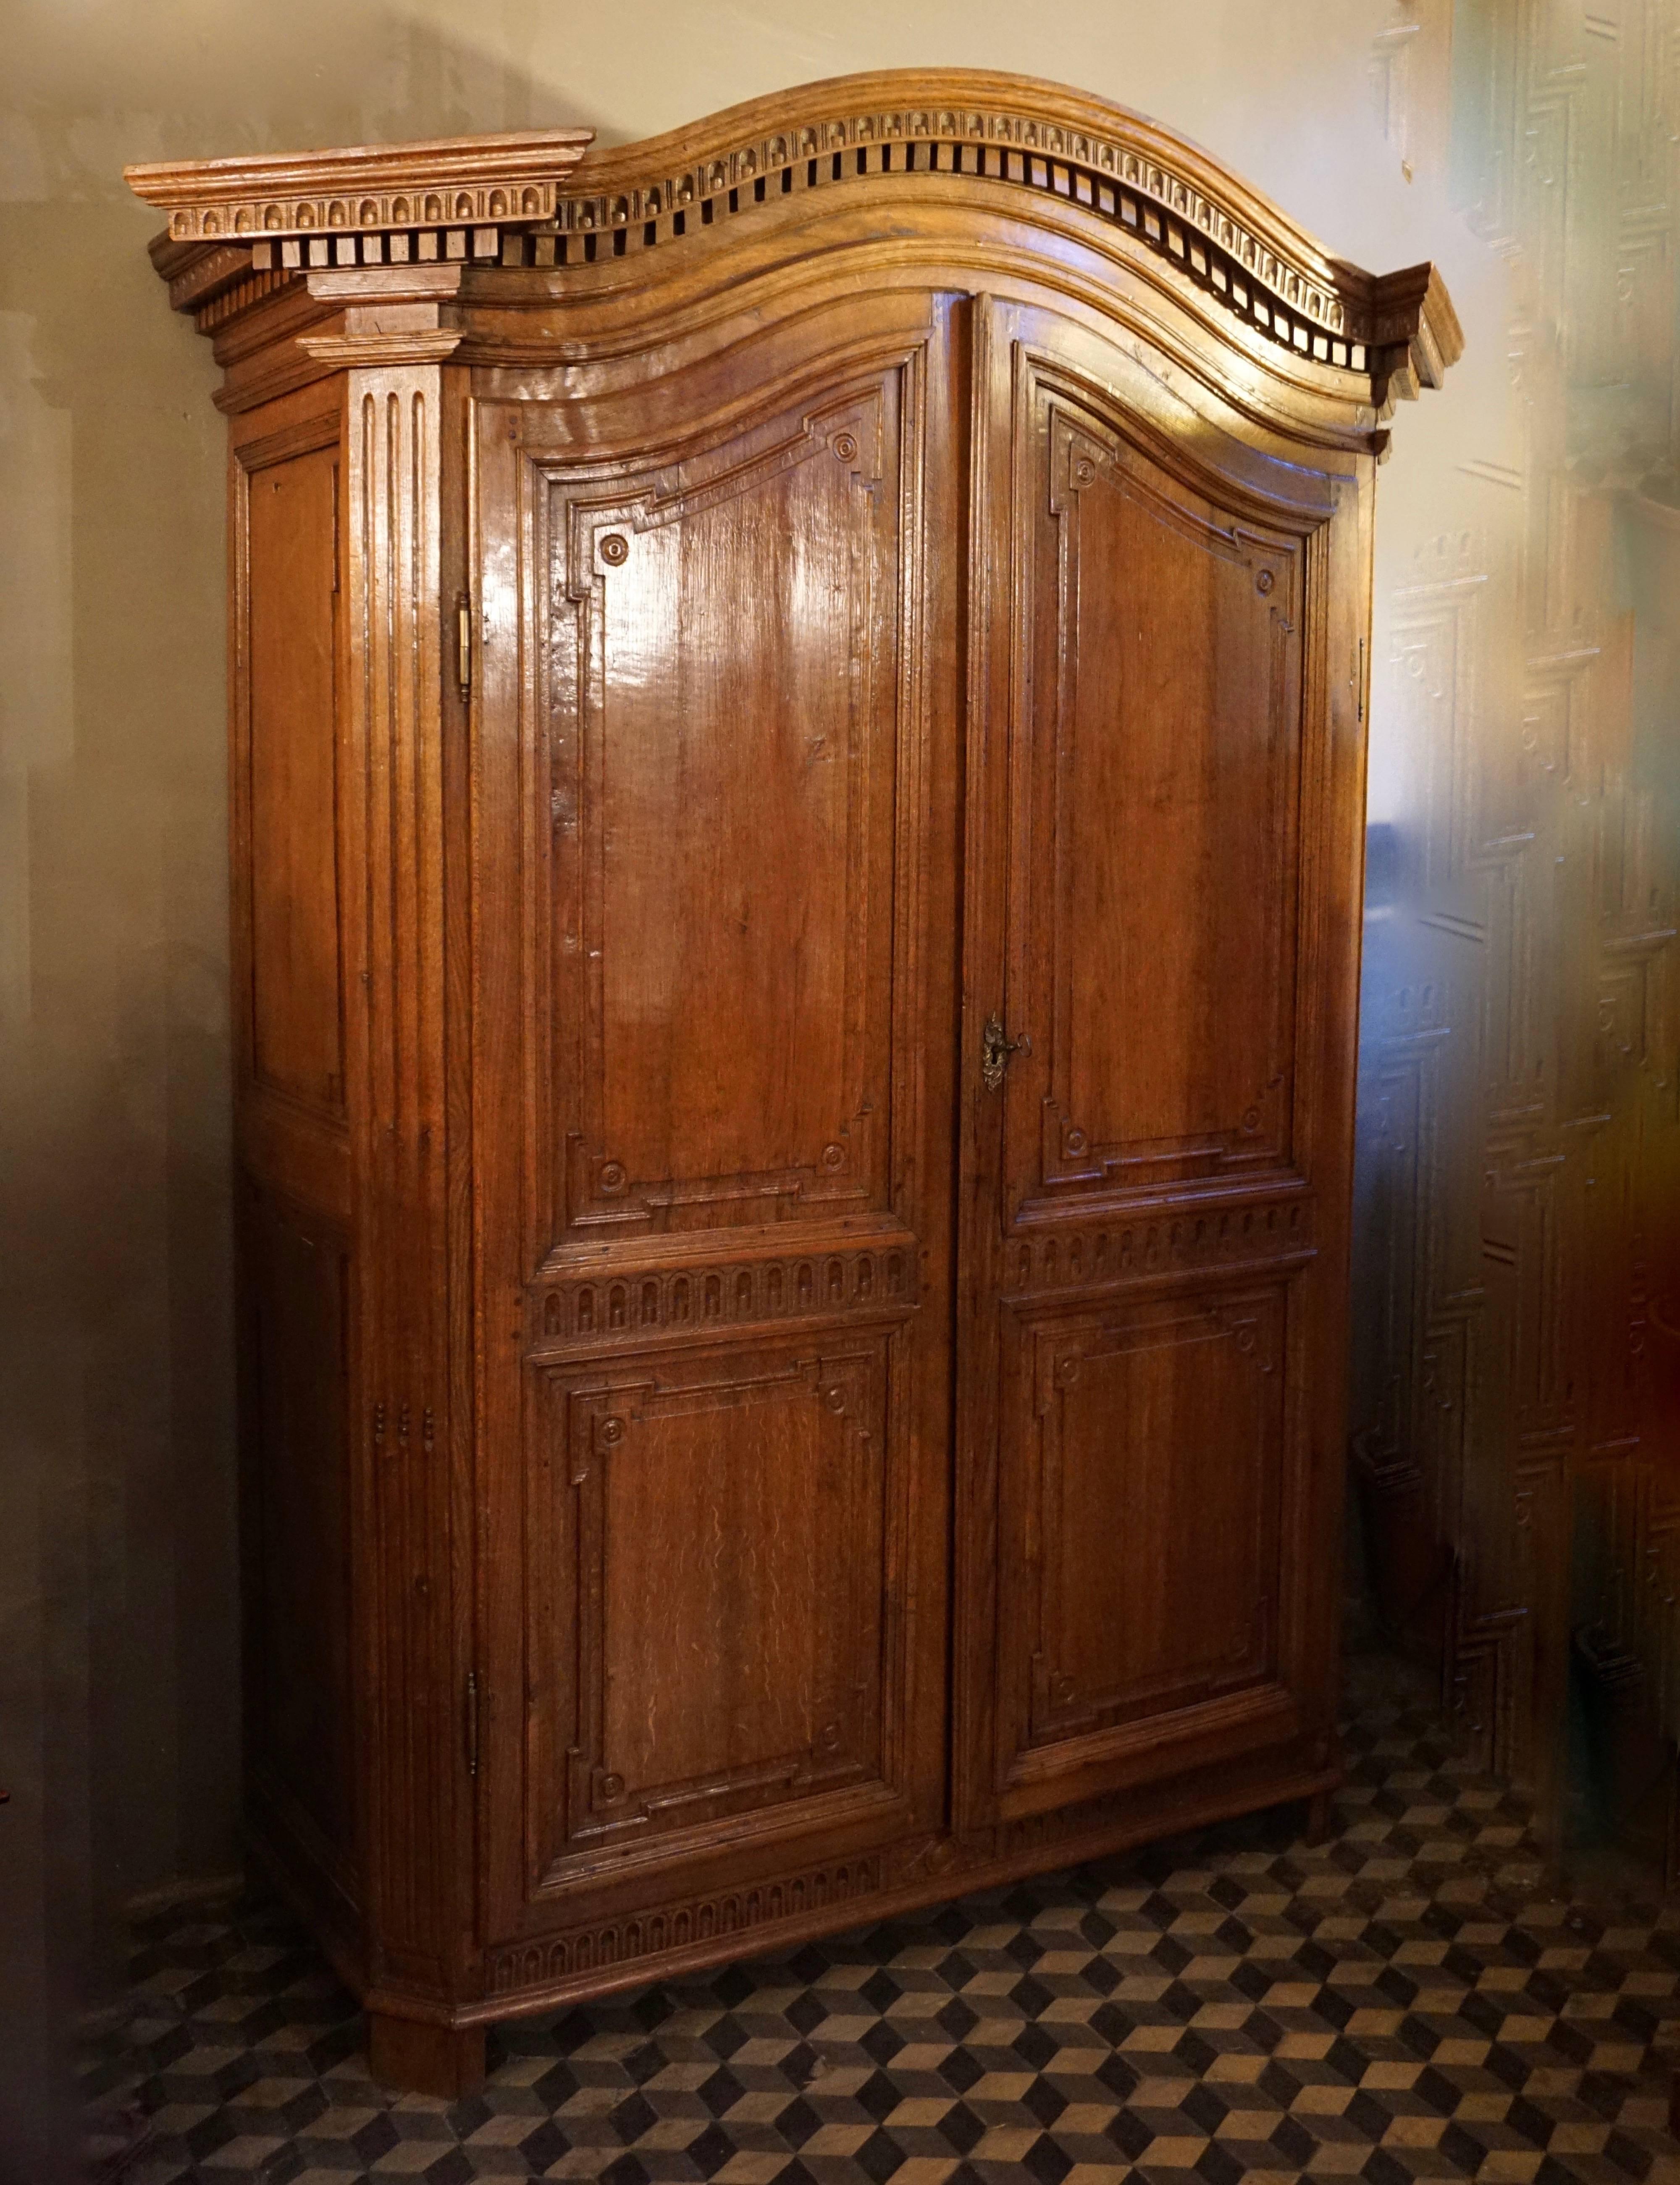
(1160, 971)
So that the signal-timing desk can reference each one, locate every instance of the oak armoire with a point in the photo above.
(797, 761)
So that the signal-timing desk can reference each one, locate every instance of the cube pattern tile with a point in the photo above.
(1405, 2001)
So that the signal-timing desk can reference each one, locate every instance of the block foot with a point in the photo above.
(416, 2059)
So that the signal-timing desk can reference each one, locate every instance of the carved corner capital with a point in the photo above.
(1415, 331)
(239, 228)
(375, 352)
(375, 335)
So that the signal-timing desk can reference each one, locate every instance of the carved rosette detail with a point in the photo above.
(681, 1926)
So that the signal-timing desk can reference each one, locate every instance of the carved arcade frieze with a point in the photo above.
(532, 200)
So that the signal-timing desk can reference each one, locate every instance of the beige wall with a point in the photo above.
(116, 1510)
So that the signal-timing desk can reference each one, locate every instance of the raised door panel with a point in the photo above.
(712, 1545)
(1141, 1491)
(1155, 865)
(724, 700)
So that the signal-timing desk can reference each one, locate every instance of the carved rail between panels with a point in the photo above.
(695, 1299)
(566, 1310)
(1131, 1248)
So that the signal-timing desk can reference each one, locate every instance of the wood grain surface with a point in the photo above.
(801, 917)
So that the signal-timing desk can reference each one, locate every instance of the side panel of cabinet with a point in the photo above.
(290, 784)
(297, 1264)
(299, 1687)
(1163, 864)
(716, 739)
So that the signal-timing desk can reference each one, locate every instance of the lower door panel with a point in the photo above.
(1139, 1491)
(710, 1537)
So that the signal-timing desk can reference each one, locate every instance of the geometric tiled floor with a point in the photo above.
(1403, 2002)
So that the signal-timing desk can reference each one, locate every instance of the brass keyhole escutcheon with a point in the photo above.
(995, 1049)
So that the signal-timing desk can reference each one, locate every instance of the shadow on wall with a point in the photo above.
(118, 1707)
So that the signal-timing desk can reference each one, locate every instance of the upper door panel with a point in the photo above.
(724, 694)
(1154, 851)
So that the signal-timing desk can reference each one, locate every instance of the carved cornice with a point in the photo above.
(1222, 234)
(533, 201)
(639, 183)
(373, 188)
(1413, 322)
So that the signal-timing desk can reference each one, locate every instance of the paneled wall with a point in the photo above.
(1517, 1366)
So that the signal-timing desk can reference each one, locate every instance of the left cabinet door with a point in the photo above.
(714, 904)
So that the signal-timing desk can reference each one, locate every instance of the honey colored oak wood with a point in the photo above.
(798, 757)
(366, 189)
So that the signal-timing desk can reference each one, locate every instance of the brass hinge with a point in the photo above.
(472, 1722)
(464, 645)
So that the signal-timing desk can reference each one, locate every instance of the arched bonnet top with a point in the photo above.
(538, 200)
